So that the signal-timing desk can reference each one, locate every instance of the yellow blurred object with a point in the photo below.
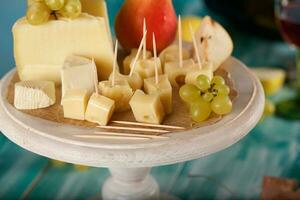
(81, 167)
(272, 79)
(269, 108)
(195, 21)
(57, 163)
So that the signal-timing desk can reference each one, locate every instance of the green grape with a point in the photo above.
(222, 89)
(200, 111)
(208, 96)
(203, 82)
(37, 13)
(72, 9)
(189, 93)
(221, 105)
(217, 80)
(55, 4)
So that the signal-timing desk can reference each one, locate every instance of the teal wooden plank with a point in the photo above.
(67, 183)
(18, 168)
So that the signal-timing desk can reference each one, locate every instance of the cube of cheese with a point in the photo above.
(129, 59)
(191, 76)
(177, 74)
(147, 108)
(146, 68)
(74, 104)
(40, 51)
(171, 54)
(78, 73)
(163, 88)
(99, 109)
(135, 81)
(121, 93)
(34, 94)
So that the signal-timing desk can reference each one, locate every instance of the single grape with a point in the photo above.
(55, 4)
(189, 93)
(37, 13)
(217, 80)
(72, 9)
(221, 105)
(208, 96)
(222, 89)
(203, 82)
(200, 111)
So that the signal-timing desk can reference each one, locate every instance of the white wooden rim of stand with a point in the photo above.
(57, 141)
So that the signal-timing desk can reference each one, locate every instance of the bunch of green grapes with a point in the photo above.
(39, 11)
(206, 96)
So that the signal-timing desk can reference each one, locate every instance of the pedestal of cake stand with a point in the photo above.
(130, 161)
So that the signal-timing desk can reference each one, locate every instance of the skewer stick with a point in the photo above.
(95, 77)
(145, 41)
(137, 55)
(114, 137)
(155, 58)
(115, 64)
(180, 41)
(149, 130)
(149, 125)
(195, 46)
(131, 135)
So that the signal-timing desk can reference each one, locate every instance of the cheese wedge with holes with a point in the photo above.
(31, 95)
(147, 108)
(99, 109)
(78, 73)
(40, 51)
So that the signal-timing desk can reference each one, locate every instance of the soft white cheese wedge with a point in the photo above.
(34, 94)
(163, 88)
(40, 51)
(147, 108)
(121, 93)
(99, 109)
(78, 73)
(74, 104)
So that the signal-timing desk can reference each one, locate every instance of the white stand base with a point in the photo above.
(130, 184)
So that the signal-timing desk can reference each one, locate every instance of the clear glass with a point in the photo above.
(287, 13)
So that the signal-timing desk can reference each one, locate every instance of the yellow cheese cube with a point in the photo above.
(99, 109)
(40, 51)
(178, 74)
(171, 54)
(121, 93)
(74, 104)
(135, 81)
(147, 108)
(191, 76)
(129, 59)
(146, 68)
(163, 88)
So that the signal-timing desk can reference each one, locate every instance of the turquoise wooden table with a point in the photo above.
(270, 149)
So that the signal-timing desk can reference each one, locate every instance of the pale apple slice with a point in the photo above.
(215, 44)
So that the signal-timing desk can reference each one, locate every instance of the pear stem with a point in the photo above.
(137, 55)
(180, 41)
(155, 58)
(195, 46)
(115, 64)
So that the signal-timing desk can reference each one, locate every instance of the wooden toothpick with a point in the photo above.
(137, 55)
(195, 46)
(145, 41)
(115, 64)
(95, 77)
(180, 41)
(155, 58)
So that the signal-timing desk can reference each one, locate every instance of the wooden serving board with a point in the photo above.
(179, 117)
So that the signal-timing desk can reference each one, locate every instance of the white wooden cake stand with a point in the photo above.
(129, 161)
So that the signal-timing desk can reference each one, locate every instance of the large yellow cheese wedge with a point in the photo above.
(40, 50)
